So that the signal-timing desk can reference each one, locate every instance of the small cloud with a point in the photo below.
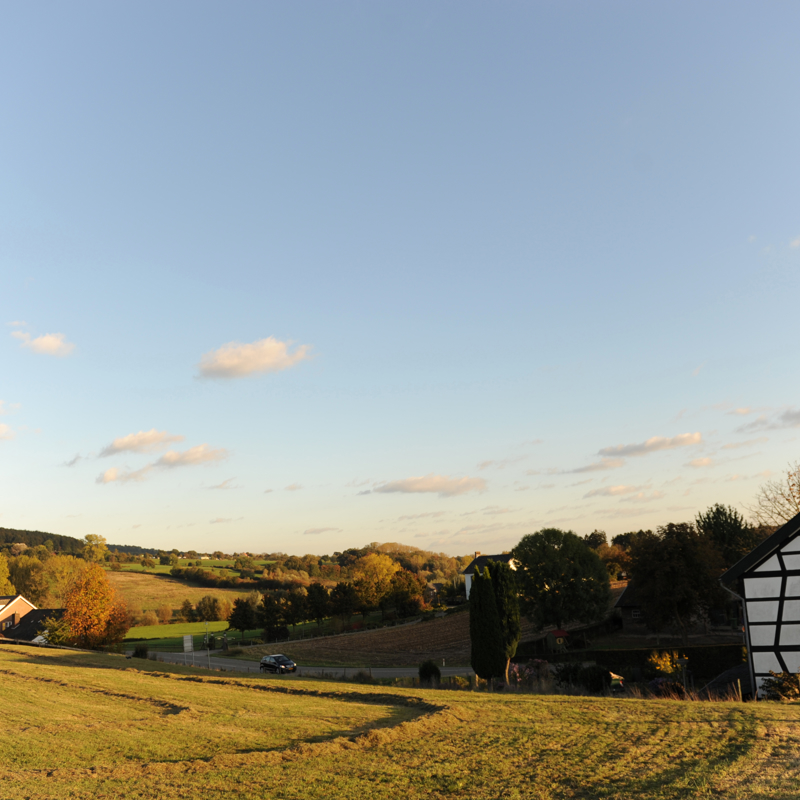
(142, 442)
(696, 371)
(293, 487)
(6, 432)
(604, 464)
(268, 491)
(74, 461)
(699, 463)
(741, 412)
(17, 324)
(795, 242)
(612, 491)
(7, 408)
(138, 525)
(221, 520)
(317, 531)
(355, 483)
(237, 360)
(421, 516)
(50, 344)
(501, 464)
(115, 475)
(751, 239)
(583, 482)
(523, 488)
(785, 419)
(366, 491)
(653, 445)
(201, 454)
(748, 443)
(643, 497)
(226, 484)
(443, 485)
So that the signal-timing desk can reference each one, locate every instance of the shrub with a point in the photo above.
(593, 678)
(164, 614)
(783, 686)
(363, 677)
(149, 618)
(429, 673)
(140, 651)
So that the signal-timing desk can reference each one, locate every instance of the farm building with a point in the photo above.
(21, 620)
(630, 608)
(480, 561)
(12, 609)
(767, 580)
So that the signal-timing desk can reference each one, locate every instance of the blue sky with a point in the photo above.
(304, 276)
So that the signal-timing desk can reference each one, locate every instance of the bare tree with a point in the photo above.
(779, 500)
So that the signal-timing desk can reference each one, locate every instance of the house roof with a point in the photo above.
(480, 562)
(12, 600)
(31, 625)
(762, 551)
(629, 597)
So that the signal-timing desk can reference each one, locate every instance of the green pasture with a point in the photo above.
(140, 729)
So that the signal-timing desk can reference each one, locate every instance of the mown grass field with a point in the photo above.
(149, 591)
(79, 725)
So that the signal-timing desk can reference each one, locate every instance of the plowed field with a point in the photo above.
(404, 645)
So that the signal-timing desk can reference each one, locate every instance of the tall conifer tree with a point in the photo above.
(506, 596)
(488, 651)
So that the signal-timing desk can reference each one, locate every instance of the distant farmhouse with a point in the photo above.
(479, 563)
(22, 621)
(767, 580)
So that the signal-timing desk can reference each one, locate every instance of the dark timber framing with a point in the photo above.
(769, 587)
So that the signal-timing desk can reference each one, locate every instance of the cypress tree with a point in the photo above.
(506, 597)
(488, 651)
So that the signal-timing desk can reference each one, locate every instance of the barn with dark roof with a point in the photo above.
(767, 581)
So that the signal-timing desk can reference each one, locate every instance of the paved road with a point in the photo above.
(203, 659)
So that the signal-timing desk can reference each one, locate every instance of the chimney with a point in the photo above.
(477, 553)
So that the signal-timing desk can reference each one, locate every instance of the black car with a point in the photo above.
(278, 663)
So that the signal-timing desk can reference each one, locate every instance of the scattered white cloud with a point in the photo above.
(142, 442)
(582, 483)
(201, 454)
(751, 239)
(268, 491)
(50, 344)
(17, 324)
(741, 412)
(237, 360)
(699, 463)
(612, 491)
(317, 531)
(7, 408)
(795, 242)
(748, 443)
(6, 432)
(226, 484)
(443, 485)
(138, 525)
(72, 462)
(117, 475)
(356, 483)
(643, 497)
(194, 456)
(598, 466)
(293, 487)
(548, 471)
(525, 488)
(489, 511)
(697, 370)
(653, 445)
(790, 418)
(223, 520)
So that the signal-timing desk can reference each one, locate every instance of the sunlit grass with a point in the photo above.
(82, 725)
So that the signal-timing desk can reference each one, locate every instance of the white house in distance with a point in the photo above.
(480, 561)
(768, 580)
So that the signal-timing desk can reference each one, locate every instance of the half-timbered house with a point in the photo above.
(767, 580)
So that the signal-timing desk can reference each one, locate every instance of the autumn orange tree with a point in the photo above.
(93, 611)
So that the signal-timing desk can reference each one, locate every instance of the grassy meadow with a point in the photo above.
(148, 591)
(80, 725)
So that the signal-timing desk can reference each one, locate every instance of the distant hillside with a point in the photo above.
(64, 544)
(61, 544)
